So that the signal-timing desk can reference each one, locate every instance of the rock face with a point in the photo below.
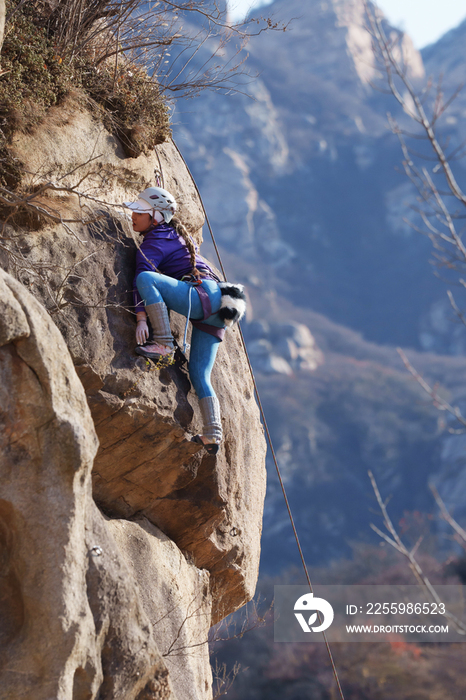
(2, 21)
(72, 624)
(114, 607)
(144, 419)
(163, 499)
(176, 597)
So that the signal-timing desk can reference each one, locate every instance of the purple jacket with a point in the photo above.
(164, 250)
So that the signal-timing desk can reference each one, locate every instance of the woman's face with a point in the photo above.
(141, 221)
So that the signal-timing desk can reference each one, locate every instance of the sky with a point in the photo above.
(424, 20)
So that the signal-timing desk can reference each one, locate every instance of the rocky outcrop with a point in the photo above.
(176, 597)
(175, 544)
(446, 58)
(146, 464)
(303, 180)
(282, 348)
(318, 74)
(72, 624)
(90, 607)
(243, 135)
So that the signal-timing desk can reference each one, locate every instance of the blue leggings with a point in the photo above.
(155, 287)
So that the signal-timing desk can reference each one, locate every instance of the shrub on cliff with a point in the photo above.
(37, 71)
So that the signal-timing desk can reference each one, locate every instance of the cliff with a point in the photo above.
(123, 540)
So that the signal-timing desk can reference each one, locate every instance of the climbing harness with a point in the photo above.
(269, 439)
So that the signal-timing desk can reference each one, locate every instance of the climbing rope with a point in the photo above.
(269, 439)
(186, 345)
(158, 172)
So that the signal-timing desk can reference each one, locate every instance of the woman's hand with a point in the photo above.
(142, 331)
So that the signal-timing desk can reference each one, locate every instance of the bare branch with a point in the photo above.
(438, 402)
(419, 115)
(223, 679)
(446, 515)
(455, 308)
(413, 564)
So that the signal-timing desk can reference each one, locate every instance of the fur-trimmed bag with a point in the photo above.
(233, 305)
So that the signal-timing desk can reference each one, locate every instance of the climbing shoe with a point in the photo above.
(211, 447)
(154, 351)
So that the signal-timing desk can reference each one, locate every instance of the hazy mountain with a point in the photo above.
(319, 72)
(446, 56)
(358, 410)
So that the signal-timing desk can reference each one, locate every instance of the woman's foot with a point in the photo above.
(210, 444)
(154, 351)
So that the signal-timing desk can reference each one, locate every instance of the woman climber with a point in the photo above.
(171, 275)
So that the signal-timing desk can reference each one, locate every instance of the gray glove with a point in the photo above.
(142, 332)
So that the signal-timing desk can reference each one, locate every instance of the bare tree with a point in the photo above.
(223, 678)
(430, 161)
(441, 200)
(392, 538)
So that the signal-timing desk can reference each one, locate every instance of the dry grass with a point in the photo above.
(35, 77)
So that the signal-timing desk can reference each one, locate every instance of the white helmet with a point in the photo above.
(154, 199)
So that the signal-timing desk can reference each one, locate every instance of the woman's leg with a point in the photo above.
(156, 288)
(201, 361)
(160, 293)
